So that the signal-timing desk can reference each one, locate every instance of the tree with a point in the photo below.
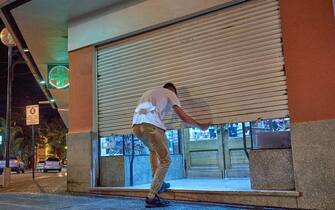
(21, 139)
(16, 139)
(25, 145)
(55, 133)
(51, 128)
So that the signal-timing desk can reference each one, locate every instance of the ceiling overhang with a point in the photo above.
(10, 23)
(40, 30)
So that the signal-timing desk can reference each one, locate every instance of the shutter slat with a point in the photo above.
(195, 109)
(202, 93)
(221, 84)
(214, 118)
(247, 95)
(246, 13)
(243, 49)
(234, 117)
(247, 59)
(251, 30)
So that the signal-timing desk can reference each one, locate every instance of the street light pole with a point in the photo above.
(8, 40)
(9, 104)
(33, 138)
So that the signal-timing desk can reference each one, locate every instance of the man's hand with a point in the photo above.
(189, 120)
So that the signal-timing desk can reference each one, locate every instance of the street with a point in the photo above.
(51, 182)
(48, 191)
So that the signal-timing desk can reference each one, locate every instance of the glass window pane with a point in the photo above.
(235, 130)
(122, 145)
(111, 145)
(172, 137)
(247, 129)
(197, 134)
(271, 133)
(139, 147)
(127, 144)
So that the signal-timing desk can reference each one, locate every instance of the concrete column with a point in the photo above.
(308, 39)
(82, 140)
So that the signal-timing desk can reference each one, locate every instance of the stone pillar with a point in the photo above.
(308, 40)
(82, 140)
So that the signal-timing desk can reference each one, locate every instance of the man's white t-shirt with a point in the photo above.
(154, 105)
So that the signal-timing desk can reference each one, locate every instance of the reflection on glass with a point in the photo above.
(172, 137)
(123, 145)
(271, 125)
(128, 144)
(139, 147)
(112, 146)
(235, 130)
(271, 133)
(197, 134)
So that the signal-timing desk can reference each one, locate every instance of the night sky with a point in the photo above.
(25, 90)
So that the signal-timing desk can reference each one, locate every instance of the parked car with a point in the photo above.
(40, 165)
(52, 163)
(15, 164)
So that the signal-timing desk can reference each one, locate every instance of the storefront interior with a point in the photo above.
(215, 159)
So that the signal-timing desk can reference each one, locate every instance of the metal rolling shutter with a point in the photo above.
(227, 65)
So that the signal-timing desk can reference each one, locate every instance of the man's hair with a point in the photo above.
(170, 85)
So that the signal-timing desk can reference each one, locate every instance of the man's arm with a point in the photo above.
(189, 120)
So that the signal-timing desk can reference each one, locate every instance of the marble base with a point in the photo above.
(271, 169)
(313, 150)
(80, 173)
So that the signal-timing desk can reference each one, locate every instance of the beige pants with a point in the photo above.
(154, 138)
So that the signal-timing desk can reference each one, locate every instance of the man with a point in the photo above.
(148, 126)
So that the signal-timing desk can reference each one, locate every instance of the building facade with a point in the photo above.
(246, 65)
(307, 40)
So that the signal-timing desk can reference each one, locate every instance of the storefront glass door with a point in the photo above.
(218, 152)
(236, 160)
(204, 152)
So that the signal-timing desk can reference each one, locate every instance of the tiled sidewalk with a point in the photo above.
(34, 201)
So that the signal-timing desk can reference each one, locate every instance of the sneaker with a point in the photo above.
(164, 188)
(155, 202)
